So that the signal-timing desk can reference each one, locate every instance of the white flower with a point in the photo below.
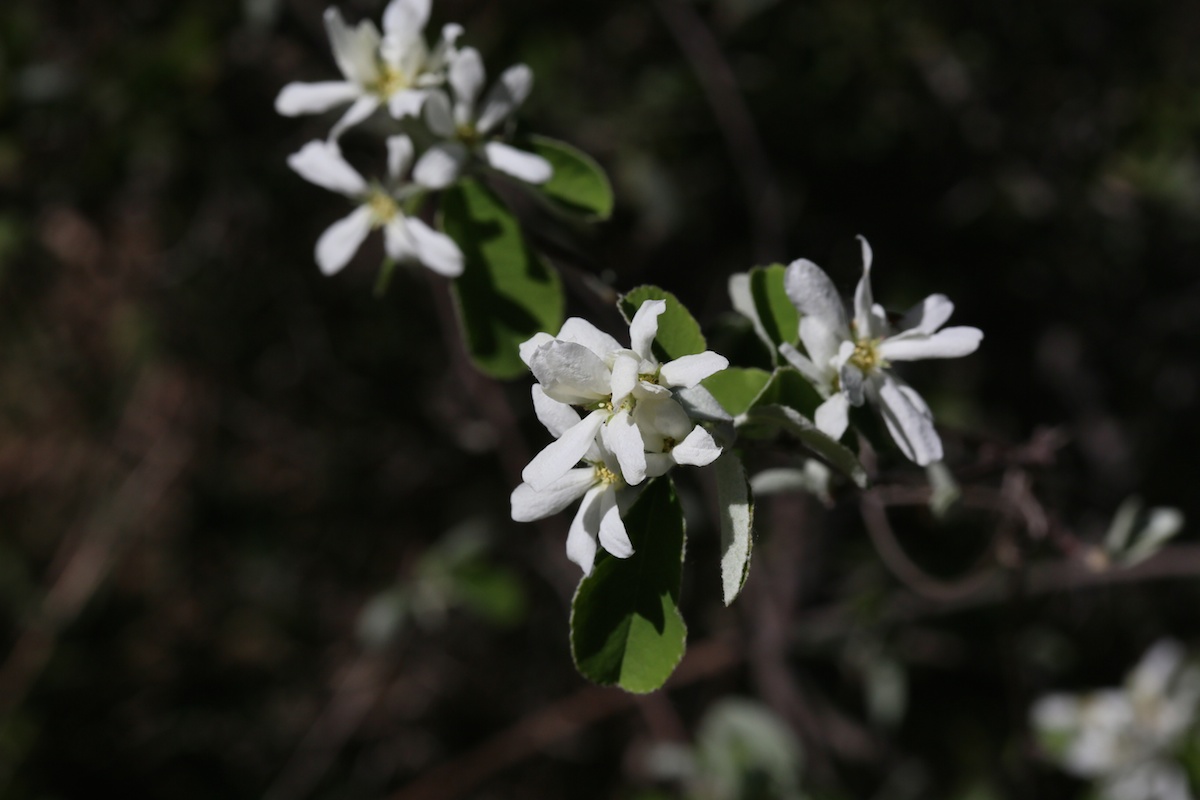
(585, 367)
(1124, 737)
(396, 68)
(848, 360)
(599, 516)
(465, 125)
(405, 238)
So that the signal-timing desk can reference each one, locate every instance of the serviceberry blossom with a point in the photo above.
(620, 388)
(597, 482)
(394, 69)
(1126, 738)
(405, 238)
(848, 360)
(466, 126)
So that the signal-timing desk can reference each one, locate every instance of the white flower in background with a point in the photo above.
(619, 388)
(394, 69)
(467, 125)
(1124, 738)
(405, 238)
(848, 360)
(597, 483)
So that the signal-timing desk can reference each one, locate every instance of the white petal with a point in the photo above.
(397, 241)
(570, 373)
(851, 377)
(322, 163)
(613, 537)
(313, 98)
(405, 18)
(658, 464)
(946, 343)
(821, 377)
(509, 92)
(662, 419)
(833, 416)
(438, 115)
(528, 505)
(341, 240)
(562, 454)
(585, 333)
(863, 300)
(362, 108)
(624, 376)
(528, 347)
(521, 165)
(581, 538)
(434, 249)
(407, 103)
(814, 296)
(644, 327)
(557, 417)
(441, 165)
(1151, 677)
(400, 155)
(354, 49)
(444, 52)
(690, 370)
(621, 436)
(909, 422)
(698, 449)
(821, 341)
(927, 316)
(466, 78)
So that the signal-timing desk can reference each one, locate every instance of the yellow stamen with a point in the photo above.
(866, 355)
(391, 80)
(605, 475)
(383, 207)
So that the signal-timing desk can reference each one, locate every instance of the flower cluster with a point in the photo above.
(1126, 738)
(849, 358)
(397, 70)
(634, 427)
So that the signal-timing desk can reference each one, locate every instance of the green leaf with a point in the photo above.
(579, 184)
(737, 523)
(789, 388)
(780, 319)
(736, 388)
(626, 629)
(803, 429)
(678, 332)
(506, 293)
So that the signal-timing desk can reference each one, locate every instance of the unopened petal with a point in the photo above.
(434, 249)
(562, 454)
(946, 343)
(688, 371)
(521, 165)
(322, 163)
(341, 240)
(314, 98)
(505, 96)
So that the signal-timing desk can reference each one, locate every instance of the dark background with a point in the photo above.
(212, 458)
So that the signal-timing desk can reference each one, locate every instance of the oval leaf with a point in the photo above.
(780, 319)
(506, 293)
(678, 332)
(736, 388)
(626, 629)
(737, 522)
(578, 185)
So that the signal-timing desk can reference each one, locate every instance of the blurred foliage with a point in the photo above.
(212, 458)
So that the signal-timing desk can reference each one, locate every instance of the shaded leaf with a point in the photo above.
(836, 454)
(678, 332)
(579, 184)
(626, 629)
(506, 293)
(736, 388)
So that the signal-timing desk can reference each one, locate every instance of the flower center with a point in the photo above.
(606, 476)
(391, 80)
(468, 135)
(866, 355)
(383, 207)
